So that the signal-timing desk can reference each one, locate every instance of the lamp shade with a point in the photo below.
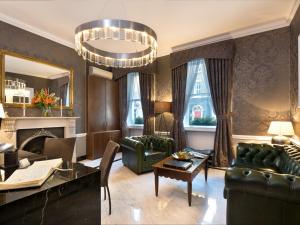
(281, 128)
(162, 107)
(2, 114)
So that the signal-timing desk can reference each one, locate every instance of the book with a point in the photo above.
(33, 176)
(175, 164)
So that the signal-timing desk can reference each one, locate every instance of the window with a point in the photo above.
(199, 109)
(135, 112)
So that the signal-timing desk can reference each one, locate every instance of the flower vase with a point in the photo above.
(46, 111)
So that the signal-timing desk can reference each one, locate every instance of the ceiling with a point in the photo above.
(175, 21)
(32, 68)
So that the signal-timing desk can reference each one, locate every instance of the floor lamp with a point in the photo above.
(159, 109)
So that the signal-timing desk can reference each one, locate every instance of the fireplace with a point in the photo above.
(62, 127)
(32, 140)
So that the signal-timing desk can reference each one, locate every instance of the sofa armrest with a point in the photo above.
(284, 187)
(133, 145)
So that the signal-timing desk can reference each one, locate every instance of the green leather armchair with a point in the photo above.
(137, 154)
(263, 186)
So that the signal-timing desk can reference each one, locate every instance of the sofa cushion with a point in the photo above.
(154, 155)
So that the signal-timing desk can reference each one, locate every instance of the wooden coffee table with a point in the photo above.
(184, 175)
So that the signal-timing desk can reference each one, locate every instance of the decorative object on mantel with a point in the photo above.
(24, 106)
(281, 129)
(116, 30)
(45, 101)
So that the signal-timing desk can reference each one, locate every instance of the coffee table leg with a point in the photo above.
(156, 182)
(190, 192)
(206, 169)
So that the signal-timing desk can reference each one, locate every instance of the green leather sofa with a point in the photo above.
(137, 154)
(263, 185)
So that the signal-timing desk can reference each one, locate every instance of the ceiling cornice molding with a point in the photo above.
(241, 32)
(35, 30)
(293, 10)
(234, 34)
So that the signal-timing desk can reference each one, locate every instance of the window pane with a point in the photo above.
(135, 113)
(200, 110)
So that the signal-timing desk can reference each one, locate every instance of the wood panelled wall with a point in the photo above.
(103, 120)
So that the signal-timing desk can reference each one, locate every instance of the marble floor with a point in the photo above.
(134, 201)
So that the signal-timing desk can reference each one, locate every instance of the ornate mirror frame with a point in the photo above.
(3, 53)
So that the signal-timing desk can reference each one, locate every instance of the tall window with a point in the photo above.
(199, 108)
(135, 112)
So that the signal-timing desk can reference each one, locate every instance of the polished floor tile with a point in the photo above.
(134, 201)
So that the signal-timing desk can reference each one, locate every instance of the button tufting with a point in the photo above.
(246, 172)
(291, 179)
(267, 175)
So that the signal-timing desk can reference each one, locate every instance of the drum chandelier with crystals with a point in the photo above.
(119, 30)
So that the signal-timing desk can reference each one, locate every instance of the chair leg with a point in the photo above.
(104, 193)
(109, 199)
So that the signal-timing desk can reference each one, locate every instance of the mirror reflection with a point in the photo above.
(24, 77)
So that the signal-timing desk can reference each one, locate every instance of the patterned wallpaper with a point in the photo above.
(261, 81)
(29, 44)
(163, 80)
(295, 111)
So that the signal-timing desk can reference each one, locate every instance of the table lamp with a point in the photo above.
(281, 129)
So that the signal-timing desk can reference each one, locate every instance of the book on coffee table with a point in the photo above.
(176, 164)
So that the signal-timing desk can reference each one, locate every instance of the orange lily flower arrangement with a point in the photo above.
(44, 100)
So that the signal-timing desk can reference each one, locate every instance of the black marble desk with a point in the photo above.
(66, 198)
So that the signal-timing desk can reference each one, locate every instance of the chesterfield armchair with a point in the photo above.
(139, 153)
(263, 185)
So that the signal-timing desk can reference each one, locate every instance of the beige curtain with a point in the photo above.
(219, 72)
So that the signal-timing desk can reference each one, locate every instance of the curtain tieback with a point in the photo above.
(224, 116)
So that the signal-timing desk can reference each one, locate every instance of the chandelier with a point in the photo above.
(119, 30)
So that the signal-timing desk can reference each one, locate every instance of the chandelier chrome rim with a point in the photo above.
(114, 29)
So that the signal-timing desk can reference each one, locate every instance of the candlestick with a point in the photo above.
(61, 108)
(24, 107)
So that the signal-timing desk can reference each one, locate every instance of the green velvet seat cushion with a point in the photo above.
(153, 155)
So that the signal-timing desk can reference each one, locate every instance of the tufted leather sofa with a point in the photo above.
(263, 185)
(137, 155)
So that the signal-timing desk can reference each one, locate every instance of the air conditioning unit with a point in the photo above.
(94, 71)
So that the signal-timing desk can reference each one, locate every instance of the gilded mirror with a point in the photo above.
(22, 76)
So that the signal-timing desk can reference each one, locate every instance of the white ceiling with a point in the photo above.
(175, 21)
(31, 68)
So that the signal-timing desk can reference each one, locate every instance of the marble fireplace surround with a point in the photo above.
(11, 125)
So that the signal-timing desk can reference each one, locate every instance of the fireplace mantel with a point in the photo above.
(11, 125)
